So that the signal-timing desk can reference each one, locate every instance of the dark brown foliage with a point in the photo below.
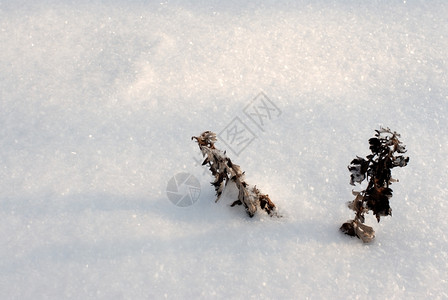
(376, 167)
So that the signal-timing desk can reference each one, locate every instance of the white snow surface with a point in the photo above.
(99, 100)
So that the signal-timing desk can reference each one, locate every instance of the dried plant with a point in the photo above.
(225, 171)
(377, 169)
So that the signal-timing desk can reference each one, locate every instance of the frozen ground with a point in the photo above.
(98, 102)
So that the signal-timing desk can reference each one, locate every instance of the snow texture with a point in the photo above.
(99, 99)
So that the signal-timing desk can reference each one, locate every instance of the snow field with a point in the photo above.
(97, 106)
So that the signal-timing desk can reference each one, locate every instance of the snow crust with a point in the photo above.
(98, 101)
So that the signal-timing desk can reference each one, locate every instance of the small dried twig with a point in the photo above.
(377, 169)
(225, 171)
